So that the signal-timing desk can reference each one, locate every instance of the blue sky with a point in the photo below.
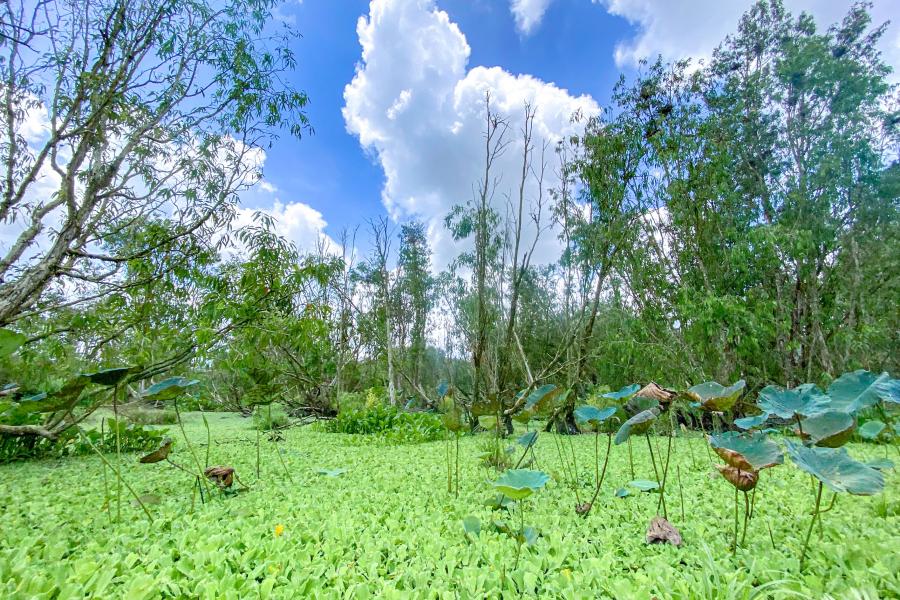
(404, 137)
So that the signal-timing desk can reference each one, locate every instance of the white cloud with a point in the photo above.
(528, 13)
(692, 28)
(415, 105)
(296, 222)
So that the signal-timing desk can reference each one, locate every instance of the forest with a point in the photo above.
(192, 408)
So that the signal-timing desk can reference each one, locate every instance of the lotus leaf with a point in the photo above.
(645, 485)
(714, 396)
(592, 415)
(170, 388)
(804, 400)
(110, 376)
(854, 391)
(739, 478)
(472, 526)
(636, 425)
(888, 390)
(623, 394)
(520, 483)
(747, 451)
(752, 421)
(837, 470)
(830, 429)
(537, 400)
(871, 430)
(881, 464)
(159, 454)
(527, 439)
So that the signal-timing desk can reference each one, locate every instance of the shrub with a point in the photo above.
(265, 419)
(151, 416)
(389, 423)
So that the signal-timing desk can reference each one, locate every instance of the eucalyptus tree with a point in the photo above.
(146, 109)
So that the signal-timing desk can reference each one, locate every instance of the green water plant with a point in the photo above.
(594, 417)
(519, 484)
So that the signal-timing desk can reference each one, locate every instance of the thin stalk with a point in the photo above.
(734, 546)
(630, 459)
(105, 481)
(602, 475)
(691, 450)
(118, 452)
(746, 516)
(652, 457)
(118, 474)
(771, 535)
(457, 464)
(521, 534)
(190, 446)
(208, 441)
(665, 477)
(257, 446)
(811, 523)
(753, 501)
(449, 463)
(680, 490)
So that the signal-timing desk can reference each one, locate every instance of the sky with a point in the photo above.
(397, 90)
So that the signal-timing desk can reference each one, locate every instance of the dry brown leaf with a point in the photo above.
(663, 532)
(744, 480)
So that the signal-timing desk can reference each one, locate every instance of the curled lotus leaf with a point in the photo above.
(623, 394)
(638, 404)
(636, 425)
(661, 531)
(170, 388)
(61, 400)
(805, 400)
(487, 406)
(527, 439)
(830, 429)
(714, 396)
(836, 469)
(160, 454)
(657, 392)
(881, 464)
(739, 478)
(222, 476)
(593, 416)
(747, 451)
(520, 483)
(854, 391)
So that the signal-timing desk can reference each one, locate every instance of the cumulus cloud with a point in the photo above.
(296, 222)
(416, 105)
(528, 13)
(692, 28)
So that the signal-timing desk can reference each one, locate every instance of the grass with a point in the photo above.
(388, 528)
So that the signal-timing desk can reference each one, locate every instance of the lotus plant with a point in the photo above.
(518, 484)
(595, 417)
(746, 454)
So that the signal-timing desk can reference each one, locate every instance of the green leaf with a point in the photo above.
(529, 535)
(716, 397)
(804, 400)
(63, 399)
(623, 394)
(592, 415)
(622, 493)
(871, 430)
(638, 404)
(747, 451)
(829, 429)
(636, 425)
(752, 421)
(330, 472)
(169, 389)
(10, 341)
(499, 501)
(882, 464)
(520, 483)
(472, 526)
(836, 469)
(110, 376)
(645, 485)
(854, 391)
(888, 390)
(527, 439)
(538, 399)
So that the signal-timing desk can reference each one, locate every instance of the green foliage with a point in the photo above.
(150, 416)
(837, 470)
(747, 451)
(389, 424)
(273, 416)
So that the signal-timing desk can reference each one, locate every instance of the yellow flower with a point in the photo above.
(567, 573)
(279, 529)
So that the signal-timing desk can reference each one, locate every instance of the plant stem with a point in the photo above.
(734, 546)
(652, 458)
(105, 482)
(521, 536)
(811, 523)
(746, 516)
(116, 471)
(257, 446)
(665, 477)
(602, 475)
(118, 452)
(771, 535)
(630, 459)
(680, 490)
(190, 446)
(457, 465)
(208, 441)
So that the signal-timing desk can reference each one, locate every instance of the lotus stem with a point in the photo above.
(771, 535)
(597, 454)
(630, 459)
(811, 524)
(734, 546)
(257, 446)
(116, 471)
(457, 465)
(652, 458)
(105, 481)
(746, 516)
(449, 463)
(601, 477)
(190, 446)
(680, 490)
(662, 489)
(208, 441)
(753, 499)
(118, 452)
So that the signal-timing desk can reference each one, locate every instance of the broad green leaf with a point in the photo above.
(170, 388)
(804, 400)
(499, 501)
(622, 493)
(529, 535)
(888, 390)
(110, 376)
(645, 485)
(882, 464)
(854, 391)
(714, 396)
(472, 525)
(752, 421)
(539, 398)
(488, 406)
(638, 404)
(871, 430)
(527, 439)
(61, 400)
(623, 394)
(829, 429)
(747, 451)
(10, 341)
(520, 483)
(836, 469)
(636, 425)
(592, 415)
